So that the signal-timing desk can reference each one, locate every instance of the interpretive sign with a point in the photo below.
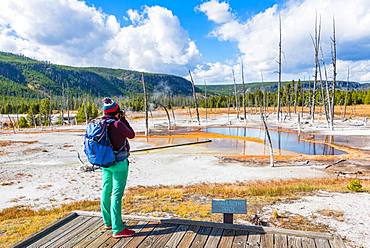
(229, 206)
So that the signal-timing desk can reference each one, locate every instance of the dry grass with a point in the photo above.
(335, 214)
(4, 143)
(192, 202)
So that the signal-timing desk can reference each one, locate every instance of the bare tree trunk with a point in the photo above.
(145, 105)
(85, 109)
(346, 96)
(171, 106)
(295, 85)
(327, 92)
(195, 97)
(236, 96)
(168, 115)
(205, 99)
(323, 98)
(316, 52)
(279, 82)
(302, 94)
(68, 96)
(263, 106)
(62, 104)
(244, 107)
(50, 108)
(269, 140)
(228, 107)
(334, 62)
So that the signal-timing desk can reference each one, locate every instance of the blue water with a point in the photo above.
(281, 140)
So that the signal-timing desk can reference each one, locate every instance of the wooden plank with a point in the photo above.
(250, 228)
(281, 241)
(308, 242)
(294, 242)
(338, 242)
(64, 230)
(267, 240)
(322, 243)
(177, 236)
(139, 237)
(46, 231)
(188, 237)
(67, 236)
(55, 233)
(81, 232)
(104, 236)
(112, 241)
(163, 238)
(137, 228)
(159, 235)
(201, 237)
(254, 240)
(91, 237)
(240, 240)
(214, 237)
(227, 239)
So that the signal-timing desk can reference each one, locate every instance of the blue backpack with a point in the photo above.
(97, 146)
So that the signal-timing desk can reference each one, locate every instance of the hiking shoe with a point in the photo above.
(124, 233)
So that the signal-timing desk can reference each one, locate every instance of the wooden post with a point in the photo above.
(195, 97)
(145, 105)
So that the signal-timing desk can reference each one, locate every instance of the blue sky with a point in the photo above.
(193, 21)
(210, 37)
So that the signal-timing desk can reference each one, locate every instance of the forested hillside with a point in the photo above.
(22, 76)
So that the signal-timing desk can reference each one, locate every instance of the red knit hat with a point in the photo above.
(110, 106)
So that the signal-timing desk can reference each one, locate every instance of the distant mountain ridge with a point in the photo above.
(272, 86)
(20, 75)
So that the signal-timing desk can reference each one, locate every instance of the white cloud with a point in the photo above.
(216, 11)
(70, 32)
(257, 38)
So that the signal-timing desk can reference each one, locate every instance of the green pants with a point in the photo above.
(114, 183)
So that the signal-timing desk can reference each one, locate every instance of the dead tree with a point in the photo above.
(316, 43)
(145, 105)
(295, 85)
(205, 99)
(327, 91)
(269, 140)
(346, 96)
(195, 97)
(263, 106)
(228, 106)
(168, 115)
(334, 62)
(62, 104)
(50, 109)
(85, 109)
(171, 107)
(235, 95)
(302, 94)
(244, 107)
(279, 82)
(67, 103)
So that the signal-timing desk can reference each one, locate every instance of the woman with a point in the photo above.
(115, 176)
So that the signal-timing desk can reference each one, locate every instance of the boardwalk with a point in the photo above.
(85, 229)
